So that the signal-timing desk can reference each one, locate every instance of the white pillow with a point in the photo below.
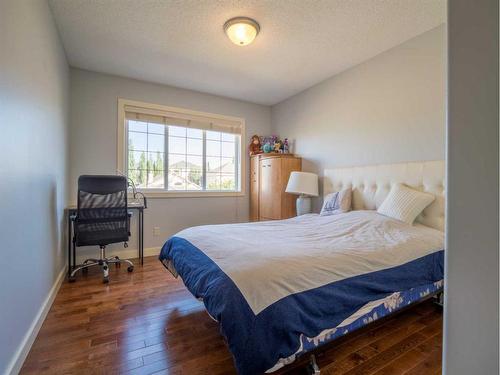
(337, 203)
(404, 203)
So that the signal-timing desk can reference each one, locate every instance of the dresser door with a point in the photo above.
(270, 189)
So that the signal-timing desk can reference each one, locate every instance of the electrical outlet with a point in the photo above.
(156, 231)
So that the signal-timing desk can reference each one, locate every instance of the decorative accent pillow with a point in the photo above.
(337, 203)
(404, 203)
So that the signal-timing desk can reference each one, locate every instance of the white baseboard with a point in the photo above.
(22, 351)
(122, 253)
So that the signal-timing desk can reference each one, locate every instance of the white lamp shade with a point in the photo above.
(303, 183)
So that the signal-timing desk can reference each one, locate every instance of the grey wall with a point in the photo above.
(34, 87)
(93, 144)
(390, 108)
(471, 313)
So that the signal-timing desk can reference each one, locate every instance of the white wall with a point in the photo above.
(93, 145)
(390, 108)
(34, 88)
(471, 308)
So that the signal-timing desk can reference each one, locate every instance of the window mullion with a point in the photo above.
(204, 162)
(237, 181)
(184, 172)
(127, 150)
(165, 159)
(220, 161)
(147, 156)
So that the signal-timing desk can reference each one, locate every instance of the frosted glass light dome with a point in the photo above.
(241, 30)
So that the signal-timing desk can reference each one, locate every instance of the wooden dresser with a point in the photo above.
(269, 175)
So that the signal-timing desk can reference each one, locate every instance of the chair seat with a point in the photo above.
(101, 237)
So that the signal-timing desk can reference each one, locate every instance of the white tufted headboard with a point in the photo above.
(372, 183)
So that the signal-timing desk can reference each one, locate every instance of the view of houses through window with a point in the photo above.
(177, 158)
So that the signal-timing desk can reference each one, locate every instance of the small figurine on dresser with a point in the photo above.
(255, 146)
(286, 146)
(272, 144)
(267, 148)
(277, 146)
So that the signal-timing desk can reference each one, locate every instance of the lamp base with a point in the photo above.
(303, 205)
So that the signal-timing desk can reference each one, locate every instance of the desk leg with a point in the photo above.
(74, 254)
(139, 233)
(69, 244)
(141, 236)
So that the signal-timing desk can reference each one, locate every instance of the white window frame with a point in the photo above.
(121, 156)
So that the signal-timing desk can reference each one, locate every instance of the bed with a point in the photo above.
(279, 289)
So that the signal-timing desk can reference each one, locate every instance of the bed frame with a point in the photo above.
(370, 186)
(308, 360)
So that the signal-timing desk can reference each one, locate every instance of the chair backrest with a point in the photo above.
(102, 214)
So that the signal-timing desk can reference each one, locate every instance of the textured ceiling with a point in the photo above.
(181, 42)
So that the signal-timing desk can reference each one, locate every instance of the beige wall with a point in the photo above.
(388, 109)
(93, 145)
(34, 89)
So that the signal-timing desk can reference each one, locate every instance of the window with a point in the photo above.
(170, 150)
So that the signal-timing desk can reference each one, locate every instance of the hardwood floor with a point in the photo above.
(148, 323)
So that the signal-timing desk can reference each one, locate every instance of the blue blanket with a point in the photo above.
(257, 342)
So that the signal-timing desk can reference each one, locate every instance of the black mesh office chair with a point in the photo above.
(102, 218)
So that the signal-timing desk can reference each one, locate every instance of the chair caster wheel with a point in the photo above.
(130, 268)
(105, 280)
(72, 279)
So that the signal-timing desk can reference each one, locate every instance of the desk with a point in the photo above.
(71, 214)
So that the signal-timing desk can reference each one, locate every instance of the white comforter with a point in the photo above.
(271, 260)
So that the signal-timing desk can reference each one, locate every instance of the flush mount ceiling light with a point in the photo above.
(241, 30)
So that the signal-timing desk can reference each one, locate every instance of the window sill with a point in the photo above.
(190, 194)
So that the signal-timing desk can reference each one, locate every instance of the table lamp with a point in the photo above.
(306, 185)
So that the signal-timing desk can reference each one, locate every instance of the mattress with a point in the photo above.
(272, 284)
